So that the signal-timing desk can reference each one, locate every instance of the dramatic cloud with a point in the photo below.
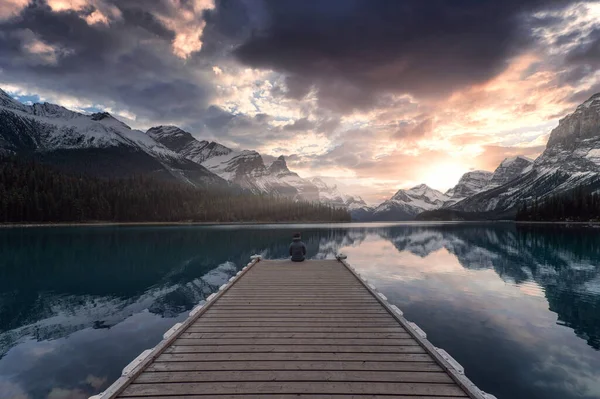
(126, 58)
(376, 94)
(352, 50)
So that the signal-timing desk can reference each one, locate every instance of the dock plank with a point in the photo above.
(298, 341)
(160, 366)
(302, 396)
(284, 330)
(293, 348)
(284, 357)
(278, 387)
(310, 334)
(295, 375)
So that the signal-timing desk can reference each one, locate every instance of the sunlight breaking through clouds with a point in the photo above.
(351, 112)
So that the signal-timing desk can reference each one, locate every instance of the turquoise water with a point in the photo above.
(517, 306)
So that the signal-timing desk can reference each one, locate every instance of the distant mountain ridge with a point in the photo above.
(96, 144)
(245, 168)
(404, 205)
(571, 159)
(102, 146)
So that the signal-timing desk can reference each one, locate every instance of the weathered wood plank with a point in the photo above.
(293, 308)
(276, 387)
(296, 375)
(286, 330)
(302, 396)
(295, 329)
(285, 357)
(310, 334)
(299, 290)
(219, 312)
(364, 318)
(290, 323)
(298, 341)
(288, 305)
(160, 366)
(294, 348)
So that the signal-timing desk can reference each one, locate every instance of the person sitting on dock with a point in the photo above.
(297, 249)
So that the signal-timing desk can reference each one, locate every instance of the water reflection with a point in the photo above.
(76, 304)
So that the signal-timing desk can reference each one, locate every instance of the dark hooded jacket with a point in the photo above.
(297, 250)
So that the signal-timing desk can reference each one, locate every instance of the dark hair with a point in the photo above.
(296, 235)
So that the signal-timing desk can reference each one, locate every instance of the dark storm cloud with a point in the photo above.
(226, 26)
(587, 52)
(353, 50)
(216, 118)
(580, 62)
(129, 63)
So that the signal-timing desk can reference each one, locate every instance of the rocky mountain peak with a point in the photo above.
(98, 116)
(7, 101)
(509, 169)
(4, 96)
(592, 102)
(168, 131)
(420, 187)
(48, 110)
(422, 192)
(582, 124)
(172, 137)
(186, 144)
(279, 166)
(400, 195)
(470, 183)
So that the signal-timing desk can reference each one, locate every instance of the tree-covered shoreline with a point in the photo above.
(581, 204)
(31, 192)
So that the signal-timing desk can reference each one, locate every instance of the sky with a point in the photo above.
(376, 94)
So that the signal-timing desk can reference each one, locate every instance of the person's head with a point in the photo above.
(296, 237)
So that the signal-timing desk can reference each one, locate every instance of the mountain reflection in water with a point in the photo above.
(517, 305)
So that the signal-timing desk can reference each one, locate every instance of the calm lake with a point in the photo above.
(517, 306)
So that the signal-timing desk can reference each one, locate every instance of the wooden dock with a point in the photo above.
(287, 330)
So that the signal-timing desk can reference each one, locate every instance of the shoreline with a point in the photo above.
(148, 224)
(131, 224)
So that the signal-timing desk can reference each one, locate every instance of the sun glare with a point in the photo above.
(443, 176)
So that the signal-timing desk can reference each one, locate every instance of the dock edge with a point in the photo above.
(137, 365)
(447, 362)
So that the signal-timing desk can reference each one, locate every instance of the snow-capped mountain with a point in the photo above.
(477, 181)
(245, 168)
(510, 169)
(306, 189)
(186, 145)
(404, 205)
(96, 144)
(470, 183)
(330, 194)
(571, 159)
(101, 145)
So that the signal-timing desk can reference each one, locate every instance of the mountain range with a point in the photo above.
(100, 145)
(571, 159)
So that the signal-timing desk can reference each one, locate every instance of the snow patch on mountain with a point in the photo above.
(571, 159)
(247, 169)
(186, 145)
(470, 183)
(406, 204)
(48, 129)
(330, 194)
(509, 169)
